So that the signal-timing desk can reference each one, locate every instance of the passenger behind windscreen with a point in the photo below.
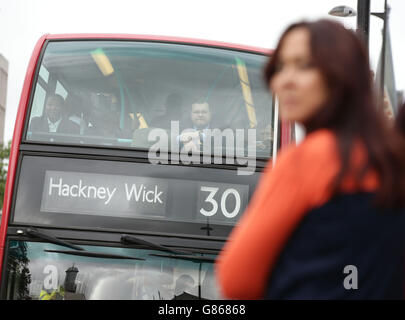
(105, 119)
(191, 139)
(53, 118)
(170, 110)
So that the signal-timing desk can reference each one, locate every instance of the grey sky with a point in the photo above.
(254, 22)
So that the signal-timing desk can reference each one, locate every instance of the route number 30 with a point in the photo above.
(230, 192)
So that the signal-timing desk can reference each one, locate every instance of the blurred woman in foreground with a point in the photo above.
(328, 221)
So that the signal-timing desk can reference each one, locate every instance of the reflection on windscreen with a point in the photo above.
(135, 94)
(36, 274)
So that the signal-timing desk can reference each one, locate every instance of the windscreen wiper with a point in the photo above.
(94, 254)
(125, 239)
(34, 233)
(189, 257)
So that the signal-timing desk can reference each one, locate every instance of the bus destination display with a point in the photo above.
(142, 197)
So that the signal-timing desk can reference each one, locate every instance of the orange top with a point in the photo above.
(299, 182)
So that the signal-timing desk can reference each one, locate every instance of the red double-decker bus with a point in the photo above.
(133, 157)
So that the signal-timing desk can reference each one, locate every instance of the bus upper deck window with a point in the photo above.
(159, 86)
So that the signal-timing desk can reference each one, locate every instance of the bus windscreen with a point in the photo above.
(152, 96)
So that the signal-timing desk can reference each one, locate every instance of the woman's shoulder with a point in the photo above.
(320, 137)
(318, 147)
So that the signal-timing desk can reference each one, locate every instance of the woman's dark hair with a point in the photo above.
(351, 110)
(400, 120)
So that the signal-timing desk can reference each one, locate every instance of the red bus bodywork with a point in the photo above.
(285, 134)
